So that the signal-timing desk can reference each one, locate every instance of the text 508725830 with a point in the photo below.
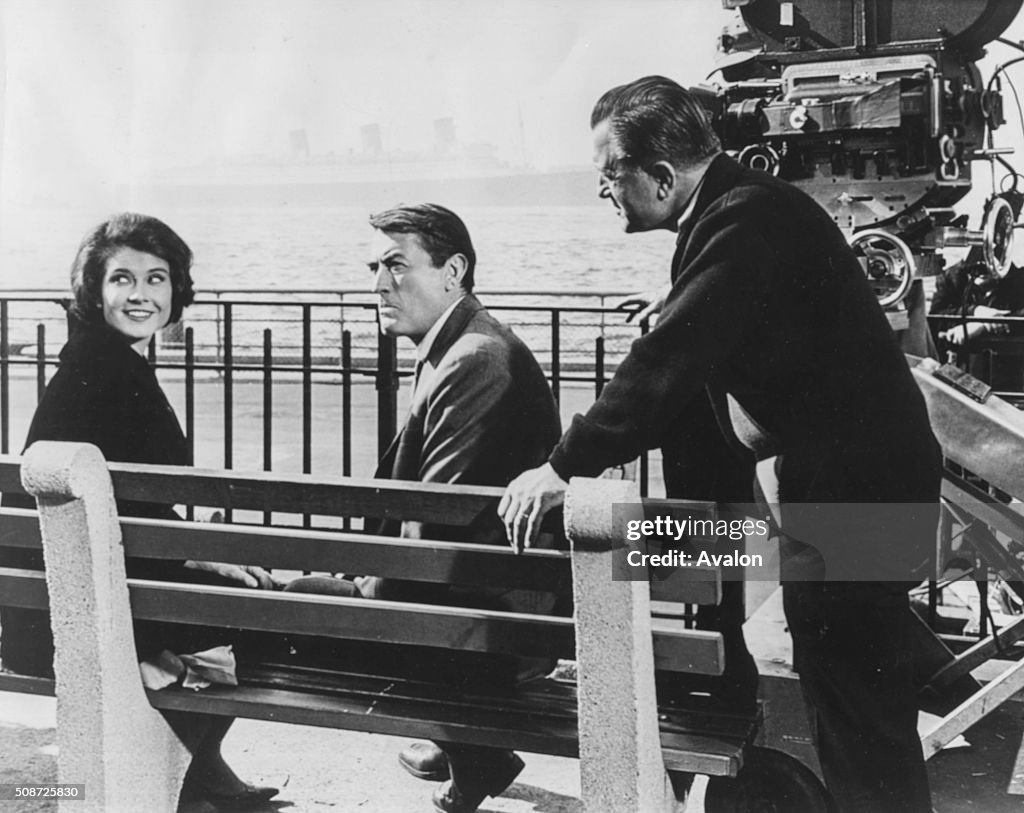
(11, 791)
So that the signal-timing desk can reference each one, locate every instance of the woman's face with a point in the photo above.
(137, 295)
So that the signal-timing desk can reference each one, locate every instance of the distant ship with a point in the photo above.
(465, 174)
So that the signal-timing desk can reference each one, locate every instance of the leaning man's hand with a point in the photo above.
(525, 502)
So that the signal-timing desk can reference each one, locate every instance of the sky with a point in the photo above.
(98, 92)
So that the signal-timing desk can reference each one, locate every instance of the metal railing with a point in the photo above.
(303, 380)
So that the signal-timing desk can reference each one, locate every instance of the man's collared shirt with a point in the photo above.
(691, 204)
(423, 348)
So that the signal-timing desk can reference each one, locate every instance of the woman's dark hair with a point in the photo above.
(442, 233)
(128, 230)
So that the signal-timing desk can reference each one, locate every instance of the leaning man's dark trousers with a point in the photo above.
(852, 650)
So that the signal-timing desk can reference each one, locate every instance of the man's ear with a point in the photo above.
(666, 177)
(454, 270)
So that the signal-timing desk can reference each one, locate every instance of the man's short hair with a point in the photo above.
(655, 119)
(441, 232)
(128, 230)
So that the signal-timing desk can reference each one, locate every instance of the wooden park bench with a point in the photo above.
(111, 737)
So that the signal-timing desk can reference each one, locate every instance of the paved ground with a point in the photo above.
(318, 770)
(324, 771)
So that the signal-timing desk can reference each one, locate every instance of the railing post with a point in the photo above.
(556, 354)
(621, 766)
(645, 461)
(387, 392)
(40, 361)
(190, 407)
(307, 396)
(346, 404)
(268, 408)
(108, 736)
(5, 381)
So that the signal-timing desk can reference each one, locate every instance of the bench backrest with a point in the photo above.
(299, 549)
(81, 534)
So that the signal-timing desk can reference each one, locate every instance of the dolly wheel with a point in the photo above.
(769, 782)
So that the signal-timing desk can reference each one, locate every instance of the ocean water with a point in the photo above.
(576, 248)
(282, 248)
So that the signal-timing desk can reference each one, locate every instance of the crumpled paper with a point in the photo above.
(195, 671)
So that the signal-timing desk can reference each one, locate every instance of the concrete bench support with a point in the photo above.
(621, 765)
(110, 739)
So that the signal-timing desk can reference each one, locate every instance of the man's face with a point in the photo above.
(632, 191)
(413, 292)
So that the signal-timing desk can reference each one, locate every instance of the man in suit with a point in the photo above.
(481, 412)
(770, 318)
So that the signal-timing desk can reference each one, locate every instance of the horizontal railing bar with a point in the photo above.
(955, 317)
(567, 292)
(284, 303)
(326, 370)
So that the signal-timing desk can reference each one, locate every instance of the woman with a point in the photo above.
(130, 279)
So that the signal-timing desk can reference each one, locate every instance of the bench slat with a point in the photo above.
(692, 585)
(23, 588)
(19, 528)
(10, 474)
(352, 618)
(303, 494)
(409, 716)
(379, 714)
(675, 647)
(335, 551)
(25, 684)
(553, 698)
(678, 649)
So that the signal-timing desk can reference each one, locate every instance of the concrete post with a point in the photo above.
(621, 766)
(109, 738)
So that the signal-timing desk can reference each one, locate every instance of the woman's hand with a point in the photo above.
(248, 575)
(643, 305)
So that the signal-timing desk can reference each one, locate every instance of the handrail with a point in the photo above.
(595, 292)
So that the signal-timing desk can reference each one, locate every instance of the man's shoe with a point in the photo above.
(424, 760)
(449, 799)
(250, 796)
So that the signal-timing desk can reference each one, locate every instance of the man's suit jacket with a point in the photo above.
(770, 306)
(481, 414)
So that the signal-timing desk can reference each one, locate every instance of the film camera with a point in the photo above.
(878, 110)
